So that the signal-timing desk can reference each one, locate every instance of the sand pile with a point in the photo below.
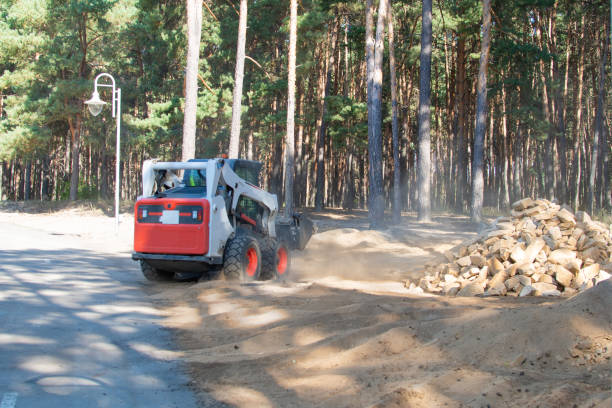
(542, 249)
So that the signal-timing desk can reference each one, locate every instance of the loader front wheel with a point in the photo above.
(154, 274)
(242, 259)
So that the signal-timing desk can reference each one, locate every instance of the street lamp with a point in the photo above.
(95, 105)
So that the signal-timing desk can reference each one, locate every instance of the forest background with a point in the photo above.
(546, 134)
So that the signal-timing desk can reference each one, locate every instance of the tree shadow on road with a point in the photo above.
(75, 326)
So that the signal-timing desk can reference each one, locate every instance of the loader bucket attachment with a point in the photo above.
(296, 231)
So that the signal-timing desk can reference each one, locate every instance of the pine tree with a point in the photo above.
(377, 200)
(290, 138)
(481, 116)
(194, 28)
(238, 78)
(424, 155)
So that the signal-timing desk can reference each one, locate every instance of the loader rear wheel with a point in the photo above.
(154, 274)
(242, 259)
(275, 259)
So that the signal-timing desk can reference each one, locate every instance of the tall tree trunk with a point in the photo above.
(607, 170)
(603, 187)
(599, 124)
(549, 165)
(12, 181)
(369, 48)
(27, 185)
(377, 201)
(299, 147)
(104, 187)
(561, 96)
(461, 103)
(481, 116)
(424, 160)
(321, 137)
(234, 146)
(250, 145)
(276, 176)
(289, 140)
(348, 198)
(578, 121)
(2, 166)
(75, 130)
(506, 152)
(194, 28)
(20, 181)
(397, 205)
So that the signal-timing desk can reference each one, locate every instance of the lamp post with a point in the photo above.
(95, 105)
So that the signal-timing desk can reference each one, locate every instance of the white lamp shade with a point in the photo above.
(95, 104)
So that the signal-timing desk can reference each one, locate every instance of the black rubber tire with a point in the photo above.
(268, 258)
(242, 258)
(271, 259)
(154, 274)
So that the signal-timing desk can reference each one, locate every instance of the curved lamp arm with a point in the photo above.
(111, 85)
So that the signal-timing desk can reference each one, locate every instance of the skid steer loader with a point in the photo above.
(207, 216)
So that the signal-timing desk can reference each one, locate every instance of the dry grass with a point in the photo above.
(603, 215)
(85, 207)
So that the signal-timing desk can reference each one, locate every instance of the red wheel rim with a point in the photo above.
(282, 259)
(252, 262)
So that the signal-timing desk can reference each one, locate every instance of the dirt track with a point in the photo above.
(344, 332)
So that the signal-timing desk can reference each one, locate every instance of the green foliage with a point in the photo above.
(87, 191)
(347, 122)
(162, 126)
(50, 51)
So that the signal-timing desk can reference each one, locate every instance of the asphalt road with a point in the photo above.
(76, 329)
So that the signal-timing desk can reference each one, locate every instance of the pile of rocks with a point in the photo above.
(542, 249)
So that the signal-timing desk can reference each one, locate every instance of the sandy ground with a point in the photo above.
(344, 332)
